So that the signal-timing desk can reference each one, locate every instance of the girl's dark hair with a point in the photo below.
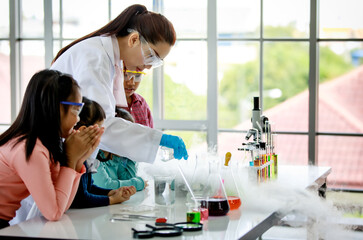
(91, 113)
(154, 27)
(122, 113)
(39, 116)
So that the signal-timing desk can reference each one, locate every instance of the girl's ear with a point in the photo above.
(133, 40)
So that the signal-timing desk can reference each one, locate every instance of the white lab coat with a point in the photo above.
(91, 63)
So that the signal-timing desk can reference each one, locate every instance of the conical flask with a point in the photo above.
(200, 175)
(230, 185)
(214, 195)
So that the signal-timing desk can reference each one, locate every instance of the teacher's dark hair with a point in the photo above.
(154, 27)
(39, 115)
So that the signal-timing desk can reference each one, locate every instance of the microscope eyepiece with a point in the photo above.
(256, 103)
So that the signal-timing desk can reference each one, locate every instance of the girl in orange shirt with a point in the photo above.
(34, 159)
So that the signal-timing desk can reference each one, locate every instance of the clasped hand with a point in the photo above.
(80, 144)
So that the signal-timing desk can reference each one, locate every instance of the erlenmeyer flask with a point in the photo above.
(200, 175)
(214, 195)
(230, 185)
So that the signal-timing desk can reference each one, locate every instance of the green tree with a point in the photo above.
(181, 103)
(285, 67)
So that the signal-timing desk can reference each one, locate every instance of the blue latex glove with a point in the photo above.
(175, 143)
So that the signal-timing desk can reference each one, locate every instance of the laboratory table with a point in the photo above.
(95, 223)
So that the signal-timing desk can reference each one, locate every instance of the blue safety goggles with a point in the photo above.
(76, 108)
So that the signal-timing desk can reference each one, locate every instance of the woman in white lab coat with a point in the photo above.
(135, 40)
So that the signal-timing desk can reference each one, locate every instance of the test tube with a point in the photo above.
(274, 155)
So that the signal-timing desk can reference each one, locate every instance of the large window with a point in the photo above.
(340, 83)
(266, 54)
(5, 113)
(227, 52)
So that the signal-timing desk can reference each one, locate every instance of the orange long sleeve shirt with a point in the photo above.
(53, 187)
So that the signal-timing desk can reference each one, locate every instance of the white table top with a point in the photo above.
(94, 223)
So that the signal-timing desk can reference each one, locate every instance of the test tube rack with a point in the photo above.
(263, 170)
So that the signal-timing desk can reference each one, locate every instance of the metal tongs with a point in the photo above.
(130, 217)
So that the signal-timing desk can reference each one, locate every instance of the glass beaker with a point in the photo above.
(215, 198)
(166, 154)
(230, 185)
(193, 212)
(164, 187)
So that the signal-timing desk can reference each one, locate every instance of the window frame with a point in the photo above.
(212, 39)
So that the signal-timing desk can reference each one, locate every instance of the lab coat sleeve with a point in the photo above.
(92, 68)
(130, 140)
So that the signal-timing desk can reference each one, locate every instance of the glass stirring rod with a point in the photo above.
(186, 183)
(167, 155)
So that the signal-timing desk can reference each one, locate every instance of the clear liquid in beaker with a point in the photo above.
(164, 187)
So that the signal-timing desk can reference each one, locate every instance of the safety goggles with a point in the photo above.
(76, 108)
(150, 57)
(136, 76)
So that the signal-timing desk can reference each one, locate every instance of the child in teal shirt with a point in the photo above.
(115, 171)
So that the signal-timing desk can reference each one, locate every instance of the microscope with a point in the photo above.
(259, 126)
(263, 162)
(260, 132)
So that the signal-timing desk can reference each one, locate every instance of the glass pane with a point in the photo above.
(285, 85)
(344, 155)
(238, 76)
(189, 17)
(341, 19)
(56, 19)
(56, 47)
(185, 81)
(89, 16)
(118, 6)
(340, 87)
(4, 19)
(286, 18)
(247, 13)
(195, 142)
(145, 89)
(32, 19)
(32, 60)
(230, 142)
(5, 112)
(291, 149)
